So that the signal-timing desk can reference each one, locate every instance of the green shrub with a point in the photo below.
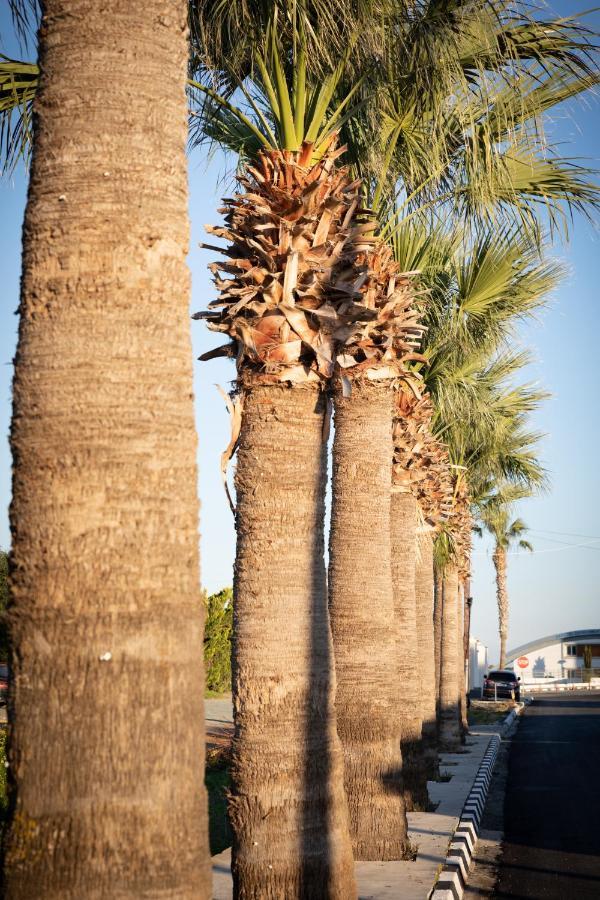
(217, 640)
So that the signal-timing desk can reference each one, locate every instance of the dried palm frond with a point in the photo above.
(461, 525)
(420, 460)
(290, 284)
(388, 336)
(309, 283)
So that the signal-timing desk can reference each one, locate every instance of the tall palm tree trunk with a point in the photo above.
(438, 606)
(425, 642)
(499, 558)
(362, 620)
(403, 526)
(467, 629)
(107, 715)
(460, 659)
(288, 809)
(449, 700)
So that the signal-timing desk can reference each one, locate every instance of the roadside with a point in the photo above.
(488, 712)
(551, 845)
(484, 871)
(430, 832)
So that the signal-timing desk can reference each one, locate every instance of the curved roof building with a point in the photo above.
(559, 657)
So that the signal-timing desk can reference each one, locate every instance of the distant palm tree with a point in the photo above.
(495, 516)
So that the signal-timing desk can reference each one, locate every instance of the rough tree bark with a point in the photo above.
(362, 620)
(449, 701)
(499, 558)
(288, 809)
(403, 527)
(467, 628)
(438, 605)
(107, 714)
(460, 660)
(425, 640)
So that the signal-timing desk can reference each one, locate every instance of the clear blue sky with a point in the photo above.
(556, 588)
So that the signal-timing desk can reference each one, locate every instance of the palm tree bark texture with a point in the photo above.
(438, 605)
(362, 619)
(106, 745)
(460, 661)
(288, 809)
(449, 732)
(403, 527)
(425, 641)
(499, 558)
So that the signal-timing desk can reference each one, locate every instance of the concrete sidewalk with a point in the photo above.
(431, 831)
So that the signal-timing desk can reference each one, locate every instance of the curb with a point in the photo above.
(508, 721)
(452, 879)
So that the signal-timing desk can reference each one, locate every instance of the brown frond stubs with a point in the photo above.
(387, 336)
(421, 461)
(288, 284)
(461, 526)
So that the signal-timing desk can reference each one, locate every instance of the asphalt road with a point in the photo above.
(552, 807)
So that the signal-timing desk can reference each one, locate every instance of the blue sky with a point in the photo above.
(555, 588)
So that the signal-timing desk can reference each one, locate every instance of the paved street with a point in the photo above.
(551, 826)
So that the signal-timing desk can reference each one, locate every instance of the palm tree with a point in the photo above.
(421, 500)
(404, 119)
(107, 795)
(476, 294)
(297, 257)
(495, 516)
(354, 588)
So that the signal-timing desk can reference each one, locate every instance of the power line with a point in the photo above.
(566, 543)
(546, 550)
(591, 537)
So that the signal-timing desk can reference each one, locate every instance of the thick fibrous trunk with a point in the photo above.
(449, 700)
(499, 558)
(362, 620)
(288, 809)
(467, 628)
(403, 549)
(425, 641)
(460, 660)
(466, 588)
(438, 605)
(107, 715)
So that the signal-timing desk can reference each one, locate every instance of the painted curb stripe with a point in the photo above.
(452, 879)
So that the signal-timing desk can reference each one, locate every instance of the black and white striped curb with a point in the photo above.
(452, 879)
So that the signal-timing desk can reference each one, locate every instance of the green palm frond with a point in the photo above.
(228, 31)
(519, 179)
(18, 85)
(494, 510)
(277, 106)
(25, 16)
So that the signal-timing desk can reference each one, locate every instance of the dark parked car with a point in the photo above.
(501, 684)
(3, 684)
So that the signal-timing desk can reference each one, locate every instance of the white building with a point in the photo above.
(556, 658)
(478, 663)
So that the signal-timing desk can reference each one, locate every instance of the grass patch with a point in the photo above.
(480, 716)
(410, 851)
(217, 781)
(216, 695)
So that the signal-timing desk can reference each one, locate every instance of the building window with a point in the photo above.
(571, 649)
